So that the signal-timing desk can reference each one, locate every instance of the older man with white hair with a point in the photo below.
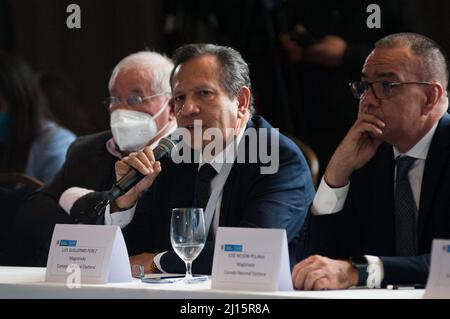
(140, 116)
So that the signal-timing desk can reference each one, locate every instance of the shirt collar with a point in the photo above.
(218, 161)
(113, 149)
(420, 150)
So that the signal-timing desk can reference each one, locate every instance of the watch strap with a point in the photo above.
(361, 264)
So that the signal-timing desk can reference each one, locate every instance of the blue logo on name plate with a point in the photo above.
(66, 242)
(229, 247)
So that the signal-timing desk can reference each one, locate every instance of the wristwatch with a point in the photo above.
(361, 264)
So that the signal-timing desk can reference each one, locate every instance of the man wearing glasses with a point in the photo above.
(384, 195)
(140, 116)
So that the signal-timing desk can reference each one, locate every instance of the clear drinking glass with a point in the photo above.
(187, 234)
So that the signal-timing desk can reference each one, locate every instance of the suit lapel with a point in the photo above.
(437, 159)
(225, 206)
(101, 155)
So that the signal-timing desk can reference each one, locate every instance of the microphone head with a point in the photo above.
(130, 179)
(164, 147)
(167, 143)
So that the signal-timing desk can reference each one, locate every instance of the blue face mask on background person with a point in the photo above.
(3, 126)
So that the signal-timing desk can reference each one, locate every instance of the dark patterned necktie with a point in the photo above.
(203, 185)
(405, 210)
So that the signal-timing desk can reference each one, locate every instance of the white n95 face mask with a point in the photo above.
(132, 130)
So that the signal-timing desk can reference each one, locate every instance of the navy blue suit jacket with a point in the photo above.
(249, 199)
(366, 223)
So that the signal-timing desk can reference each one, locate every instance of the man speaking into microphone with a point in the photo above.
(211, 90)
(140, 116)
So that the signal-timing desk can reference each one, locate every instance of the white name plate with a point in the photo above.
(88, 254)
(251, 259)
(438, 285)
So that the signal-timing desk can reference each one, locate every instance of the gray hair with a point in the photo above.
(234, 72)
(157, 65)
(433, 60)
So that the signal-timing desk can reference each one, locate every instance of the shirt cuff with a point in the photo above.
(375, 271)
(329, 200)
(122, 218)
(70, 196)
(157, 261)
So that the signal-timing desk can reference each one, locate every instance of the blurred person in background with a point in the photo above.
(62, 100)
(326, 43)
(30, 143)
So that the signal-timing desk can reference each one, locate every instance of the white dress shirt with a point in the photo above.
(331, 200)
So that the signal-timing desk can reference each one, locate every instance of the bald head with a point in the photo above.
(430, 55)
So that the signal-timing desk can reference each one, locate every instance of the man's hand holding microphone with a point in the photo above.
(144, 162)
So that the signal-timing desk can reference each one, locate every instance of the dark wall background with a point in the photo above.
(436, 16)
(36, 30)
(109, 31)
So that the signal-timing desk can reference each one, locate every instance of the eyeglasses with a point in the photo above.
(381, 89)
(131, 100)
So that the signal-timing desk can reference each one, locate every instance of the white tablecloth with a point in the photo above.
(24, 282)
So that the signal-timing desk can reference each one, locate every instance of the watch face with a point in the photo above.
(359, 261)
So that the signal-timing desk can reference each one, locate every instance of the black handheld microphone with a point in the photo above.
(133, 177)
(89, 209)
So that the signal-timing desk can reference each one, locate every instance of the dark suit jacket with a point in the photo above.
(366, 223)
(88, 165)
(249, 199)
